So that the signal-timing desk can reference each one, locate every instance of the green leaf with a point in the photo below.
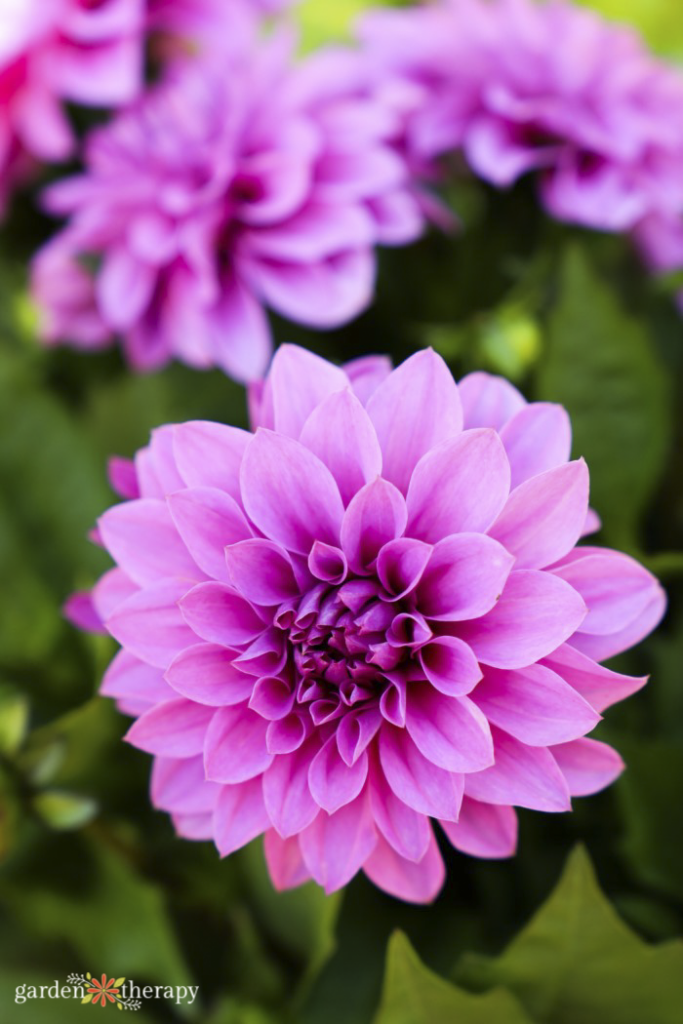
(87, 999)
(602, 366)
(64, 811)
(415, 995)
(576, 961)
(658, 20)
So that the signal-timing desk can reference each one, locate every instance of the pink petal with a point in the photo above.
(405, 829)
(587, 765)
(451, 732)
(218, 614)
(599, 686)
(125, 286)
(122, 477)
(179, 786)
(328, 563)
(135, 685)
(285, 863)
(289, 494)
(299, 382)
(239, 816)
(400, 565)
(207, 520)
(237, 332)
(522, 775)
(534, 705)
(419, 783)
(80, 611)
(141, 537)
(205, 673)
(355, 731)
(110, 591)
(602, 647)
(464, 577)
(175, 728)
(336, 846)
(536, 439)
(483, 830)
(413, 410)
(416, 883)
(210, 455)
(341, 434)
(532, 618)
(287, 793)
(272, 698)
(488, 401)
(366, 374)
(544, 517)
(149, 623)
(261, 571)
(235, 746)
(459, 486)
(375, 516)
(332, 782)
(450, 665)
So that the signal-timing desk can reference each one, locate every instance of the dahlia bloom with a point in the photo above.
(597, 117)
(220, 194)
(56, 50)
(369, 616)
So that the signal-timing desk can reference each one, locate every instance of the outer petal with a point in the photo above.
(208, 519)
(414, 409)
(599, 686)
(235, 746)
(216, 613)
(142, 539)
(335, 846)
(210, 455)
(532, 618)
(587, 765)
(536, 439)
(239, 816)
(149, 624)
(415, 780)
(175, 728)
(179, 786)
(534, 705)
(341, 434)
(488, 401)
(483, 830)
(205, 673)
(286, 790)
(299, 382)
(332, 782)
(464, 578)
(408, 831)
(544, 517)
(135, 685)
(289, 494)
(416, 883)
(285, 862)
(459, 486)
(521, 775)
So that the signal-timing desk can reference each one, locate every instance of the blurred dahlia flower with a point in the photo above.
(521, 86)
(369, 614)
(57, 50)
(220, 194)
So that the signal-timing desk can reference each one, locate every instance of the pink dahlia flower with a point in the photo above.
(550, 88)
(366, 618)
(55, 50)
(218, 195)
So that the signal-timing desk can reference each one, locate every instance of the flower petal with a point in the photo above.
(375, 516)
(522, 775)
(335, 846)
(207, 520)
(488, 401)
(415, 882)
(450, 665)
(205, 673)
(464, 577)
(599, 686)
(332, 782)
(235, 746)
(299, 381)
(149, 624)
(216, 613)
(421, 785)
(285, 863)
(587, 765)
(175, 728)
(239, 816)
(536, 439)
(286, 790)
(210, 455)
(261, 571)
(483, 830)
(142, 539)
(451, 732)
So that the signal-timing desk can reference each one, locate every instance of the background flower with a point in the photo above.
(219, 194)
(369, 614)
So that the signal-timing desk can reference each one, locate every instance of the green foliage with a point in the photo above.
(577, 961)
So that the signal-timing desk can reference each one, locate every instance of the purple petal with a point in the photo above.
(416, 883)
(328, 563)
(261, 571)
(419, 783)
(81, 612)
(451, 732)
(521, 775)
(488, 401)
(266, 656)
(335, 846)
(240, 816)
(400, 565)
(366, 374)
(536, 439)
(205, 673)
(141, 537)
(414, 409)
(149, 624)
(532, 618)
(125, 286)
(218, 614)
(355, 731)
(332, 782)
(407, 830)
(289, 494)
(285, 863)
(179, 786)
(599, 686)
(207, 520)
(450, 665)
(341, 434)
(483, 830)
(602, 647)
(299, 381)
(587, 765)
(460, 486)
(544, 517)
(122, 477)
(175, 728)
(375, 516)
(464, 577)
(210, 455)
(271, 698)
(534, 705)
(287, 793)
(135, 685)
(235, 746)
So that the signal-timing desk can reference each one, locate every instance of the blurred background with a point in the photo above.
(92, 879)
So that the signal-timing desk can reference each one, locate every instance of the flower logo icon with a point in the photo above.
(104, 990)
